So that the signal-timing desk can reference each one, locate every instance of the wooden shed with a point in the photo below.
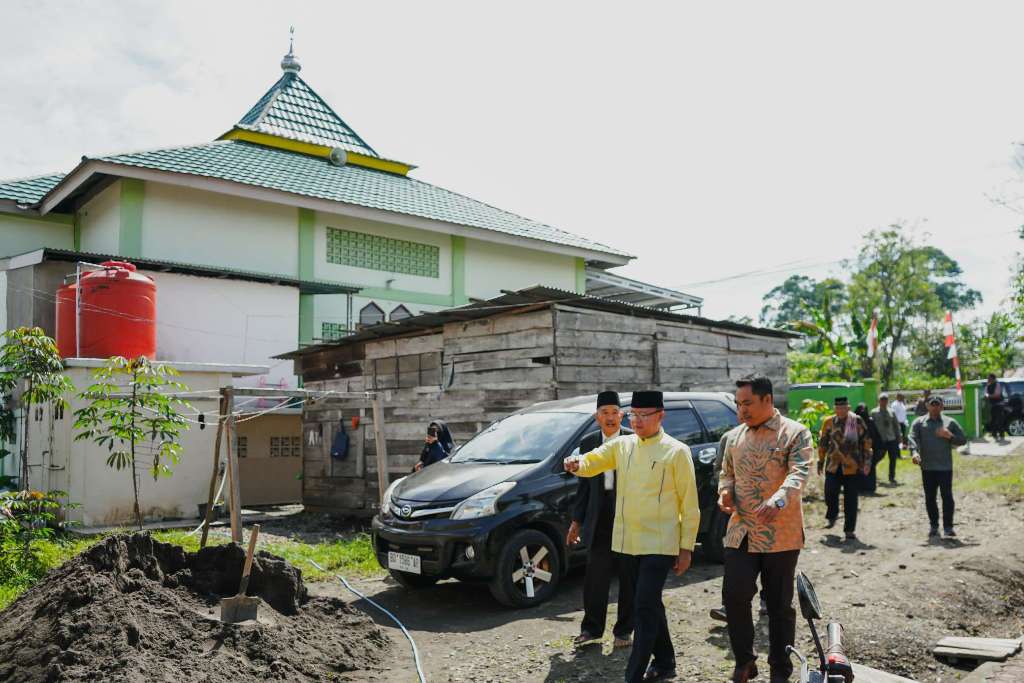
(471, 365)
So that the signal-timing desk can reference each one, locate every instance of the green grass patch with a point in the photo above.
(351, 556)
(52, 554)
(1003, 476)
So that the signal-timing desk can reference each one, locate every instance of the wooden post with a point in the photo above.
(213, 476)
(233, 476)
(382, 448)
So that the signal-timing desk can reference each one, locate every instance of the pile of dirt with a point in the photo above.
(134, 609)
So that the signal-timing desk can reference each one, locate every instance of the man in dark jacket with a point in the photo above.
(932, 440)
(593, 516)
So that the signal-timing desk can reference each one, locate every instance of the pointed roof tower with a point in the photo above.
(293, 110)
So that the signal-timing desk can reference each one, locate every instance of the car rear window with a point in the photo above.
(682, 424)
(718, 417)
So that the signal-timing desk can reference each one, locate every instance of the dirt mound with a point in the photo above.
(134, 609)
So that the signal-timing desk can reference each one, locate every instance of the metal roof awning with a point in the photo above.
(604, 285)
(304, 286)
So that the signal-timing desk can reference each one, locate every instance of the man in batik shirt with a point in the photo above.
(845, 453)
(764, 468)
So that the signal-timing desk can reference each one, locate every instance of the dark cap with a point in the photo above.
(933, 400)
(842, 401)
(608, 398)
(648, 399)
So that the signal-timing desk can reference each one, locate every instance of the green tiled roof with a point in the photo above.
(276, 169)
(29, 190)
(291, 109)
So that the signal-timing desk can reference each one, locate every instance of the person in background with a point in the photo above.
(438, 445)
(765, 466)
(932, 439)
(899, 409)
(658, 532)
(887, 426)
(869, 485)
(844, 452)
(593, 516)
(995, 394)
(921, 407)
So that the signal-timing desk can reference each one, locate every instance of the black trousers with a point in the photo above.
(777, 572)
(602, 563)
(850, 486)
(934, 482)
(892, 449)
(652, 636)
(997, 419)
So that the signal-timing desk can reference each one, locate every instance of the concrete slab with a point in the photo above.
(989, 447)
(865, 674)
(248, 517)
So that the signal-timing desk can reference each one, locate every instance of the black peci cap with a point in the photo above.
(648, 399)
(608, 398)
(842, 401)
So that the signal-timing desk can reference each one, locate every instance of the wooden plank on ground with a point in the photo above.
(964, 641)
(981, 655)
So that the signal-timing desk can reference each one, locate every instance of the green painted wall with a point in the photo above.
(307, 244)
(581, 276)
(130, 232)
(306, 314)
(459, 271)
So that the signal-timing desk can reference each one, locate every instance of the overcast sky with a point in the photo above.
(708, 139)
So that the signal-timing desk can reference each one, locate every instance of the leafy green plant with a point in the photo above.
(31, 373)
(812, 412)
(128, 405)
(27, 519)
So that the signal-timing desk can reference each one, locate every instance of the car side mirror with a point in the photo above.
(810, 608)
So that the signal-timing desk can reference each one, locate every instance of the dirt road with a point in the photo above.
(895, 591)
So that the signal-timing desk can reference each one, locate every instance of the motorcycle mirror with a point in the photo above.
(810, 608)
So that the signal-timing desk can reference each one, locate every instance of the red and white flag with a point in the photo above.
(950, 333)
(873, 335)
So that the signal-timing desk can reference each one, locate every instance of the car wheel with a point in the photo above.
(528, 570)
(1016, 427)
(714, 544)
(413, 581)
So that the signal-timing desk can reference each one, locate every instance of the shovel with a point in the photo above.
(241, 607)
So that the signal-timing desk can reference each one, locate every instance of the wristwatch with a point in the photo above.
(780, 503)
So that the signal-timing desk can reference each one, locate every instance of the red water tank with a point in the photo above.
(66, 320)
(118, 313)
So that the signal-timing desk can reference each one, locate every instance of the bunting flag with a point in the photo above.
(873, 335)
(950, 333)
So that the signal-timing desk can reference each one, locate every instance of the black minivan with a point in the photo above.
(497, 510)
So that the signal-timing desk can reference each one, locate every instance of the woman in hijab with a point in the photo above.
(870, 480)
(438, 444)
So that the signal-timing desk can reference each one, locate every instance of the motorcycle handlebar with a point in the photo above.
(836, 661)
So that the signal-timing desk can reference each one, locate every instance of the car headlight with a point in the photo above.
(707, 456)
(385, 505)
(484, 503)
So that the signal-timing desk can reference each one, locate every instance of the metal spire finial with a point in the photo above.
(290, 64)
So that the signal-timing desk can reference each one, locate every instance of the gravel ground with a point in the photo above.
(895, 592)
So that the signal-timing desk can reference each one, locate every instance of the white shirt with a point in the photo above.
(899, 409)
(609, 476)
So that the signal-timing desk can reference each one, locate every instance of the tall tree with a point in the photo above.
(789, 302)
(908, 283)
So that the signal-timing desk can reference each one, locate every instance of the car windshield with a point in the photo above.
(522, 438)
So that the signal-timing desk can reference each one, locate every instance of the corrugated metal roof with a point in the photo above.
(532, 297)
(29, 190)
(292, 109)
(275, 169)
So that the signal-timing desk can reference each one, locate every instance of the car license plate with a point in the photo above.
(404, 563)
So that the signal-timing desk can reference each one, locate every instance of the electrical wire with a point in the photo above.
(415, 651)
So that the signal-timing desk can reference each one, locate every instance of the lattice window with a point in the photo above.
(376, 252)
(332, 331)
(285, 446)
(243, 447)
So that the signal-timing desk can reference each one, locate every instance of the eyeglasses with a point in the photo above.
(633, 415)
